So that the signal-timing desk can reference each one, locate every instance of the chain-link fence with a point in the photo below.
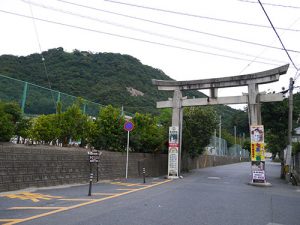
(36, 100)
(218, 146)
(237, 150)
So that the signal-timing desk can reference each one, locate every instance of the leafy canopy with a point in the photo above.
(199, 124)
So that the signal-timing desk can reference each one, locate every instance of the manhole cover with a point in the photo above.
(214, 178)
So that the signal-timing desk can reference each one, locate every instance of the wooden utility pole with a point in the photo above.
(288, 155)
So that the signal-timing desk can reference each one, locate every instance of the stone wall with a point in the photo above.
(39, 166)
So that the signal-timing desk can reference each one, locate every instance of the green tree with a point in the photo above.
(89, 128)
(241, 121)
(148, 135)
(109, 133)
(23, 128)
(45, 128)
(6, 127)
(228, 137)
(275, 121)
(296, 148)
(72, 123)
(199, 124)
(10, 114)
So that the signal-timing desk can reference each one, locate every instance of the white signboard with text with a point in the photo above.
(173, 152)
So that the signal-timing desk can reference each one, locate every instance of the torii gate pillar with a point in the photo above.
(253, 100)
(254, 105)
(177, 117)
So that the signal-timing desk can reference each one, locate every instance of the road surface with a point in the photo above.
(211, 196)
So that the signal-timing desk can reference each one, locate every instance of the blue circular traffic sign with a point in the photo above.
(128, 126)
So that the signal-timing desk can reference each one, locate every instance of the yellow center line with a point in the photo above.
(104, 193)
(128, 189)
(128, 184)
(9, 220)
(76, 199)
(36, 207)
(84, 204)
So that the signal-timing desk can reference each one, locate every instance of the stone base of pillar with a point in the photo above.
(265, 184)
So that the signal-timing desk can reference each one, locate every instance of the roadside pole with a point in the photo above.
(127, 150)
(128, 126)
(94, 157)
(290, 129)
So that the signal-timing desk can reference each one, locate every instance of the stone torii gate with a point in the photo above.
(253, 99)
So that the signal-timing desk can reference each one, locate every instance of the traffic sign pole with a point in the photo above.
(128, 126)
(127, 154)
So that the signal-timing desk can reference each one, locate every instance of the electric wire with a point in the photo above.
(258, 56)
(40, 48)
(133, 38)
(183, 28)
(272, 4)
(148, 32)
(193, 15)
(278, 35)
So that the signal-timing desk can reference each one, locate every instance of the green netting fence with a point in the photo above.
(37, 100)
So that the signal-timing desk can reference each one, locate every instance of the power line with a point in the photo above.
(148, 32)
(40, 48)
(272, 4)
(196, 16)
(132, 38)
(183, 28)
(264, 50)
(278, 35)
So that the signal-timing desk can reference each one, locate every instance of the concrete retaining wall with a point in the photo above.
(297, 166)
(203, 161)
(38, 166)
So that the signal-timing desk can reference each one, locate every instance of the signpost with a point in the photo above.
(257, 154)
(128, 126)
(173, 152)
(94, 157)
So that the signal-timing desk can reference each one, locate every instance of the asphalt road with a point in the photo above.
(211, 196)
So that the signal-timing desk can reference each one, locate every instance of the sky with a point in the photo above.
(187, 40)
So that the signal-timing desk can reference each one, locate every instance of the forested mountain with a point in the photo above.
(105, 78)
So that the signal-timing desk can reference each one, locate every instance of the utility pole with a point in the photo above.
(235, 139)
(290, 129)
(215, 140)
(220, 128)
(235, 135)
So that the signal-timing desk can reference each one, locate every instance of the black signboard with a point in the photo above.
(94, 157)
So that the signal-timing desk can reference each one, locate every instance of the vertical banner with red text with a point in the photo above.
(257, 153)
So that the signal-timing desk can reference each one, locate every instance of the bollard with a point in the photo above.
(144, 174)
(97, 172)
(91, 181)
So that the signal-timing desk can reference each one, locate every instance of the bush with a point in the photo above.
(6, 127)
(296, 147)
(10, 114)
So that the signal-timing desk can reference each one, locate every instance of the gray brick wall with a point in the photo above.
(38, 166)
